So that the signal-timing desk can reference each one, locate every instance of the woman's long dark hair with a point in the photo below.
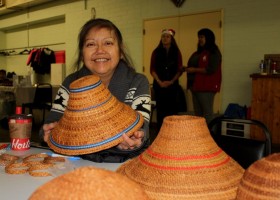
(100, 23)
(209, 41)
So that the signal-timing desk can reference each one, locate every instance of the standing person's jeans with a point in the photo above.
(203, 103)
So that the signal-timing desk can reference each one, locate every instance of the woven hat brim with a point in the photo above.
(89, 183)
(261, 180)
(184, 184)
(92, 141)
(184, 162)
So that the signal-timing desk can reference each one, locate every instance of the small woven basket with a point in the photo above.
(94, 119)
(261, 181)
(184, 162)
(89, 183)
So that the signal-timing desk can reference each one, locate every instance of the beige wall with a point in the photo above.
(250, 30)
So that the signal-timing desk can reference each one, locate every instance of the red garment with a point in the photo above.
(204, 82)
(31, 56)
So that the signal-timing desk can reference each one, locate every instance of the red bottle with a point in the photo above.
(20, 127)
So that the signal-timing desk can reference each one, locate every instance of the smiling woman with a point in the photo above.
(101, 52)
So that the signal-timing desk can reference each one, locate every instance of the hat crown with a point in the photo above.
(189, 137)
(87, 93)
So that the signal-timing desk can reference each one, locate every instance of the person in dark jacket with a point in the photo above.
(166, 67)
(204, 74)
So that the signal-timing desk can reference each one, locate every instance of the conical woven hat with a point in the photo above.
(261, 181)
(184, 162)
(89, 183)
(94, 119)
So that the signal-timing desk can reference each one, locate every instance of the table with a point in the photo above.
(22, 186)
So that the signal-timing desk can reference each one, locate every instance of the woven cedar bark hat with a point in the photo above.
(261, 181)
(94, 119)
(89, 183)
(184, 162)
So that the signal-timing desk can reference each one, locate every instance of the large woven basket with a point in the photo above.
(94, 119)
(89, 183)
(184, 162)
(261, 181)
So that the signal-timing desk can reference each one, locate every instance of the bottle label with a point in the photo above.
(20, 133)
(19, 144)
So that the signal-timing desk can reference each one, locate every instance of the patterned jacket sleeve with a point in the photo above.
(140, 99)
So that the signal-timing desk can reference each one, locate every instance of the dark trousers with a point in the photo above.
(165, 103)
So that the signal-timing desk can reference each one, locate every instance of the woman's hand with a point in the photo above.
(165, 84)
(132, 142)
(47, 130)
(191, 70)
(195, 70)
(184, 69)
